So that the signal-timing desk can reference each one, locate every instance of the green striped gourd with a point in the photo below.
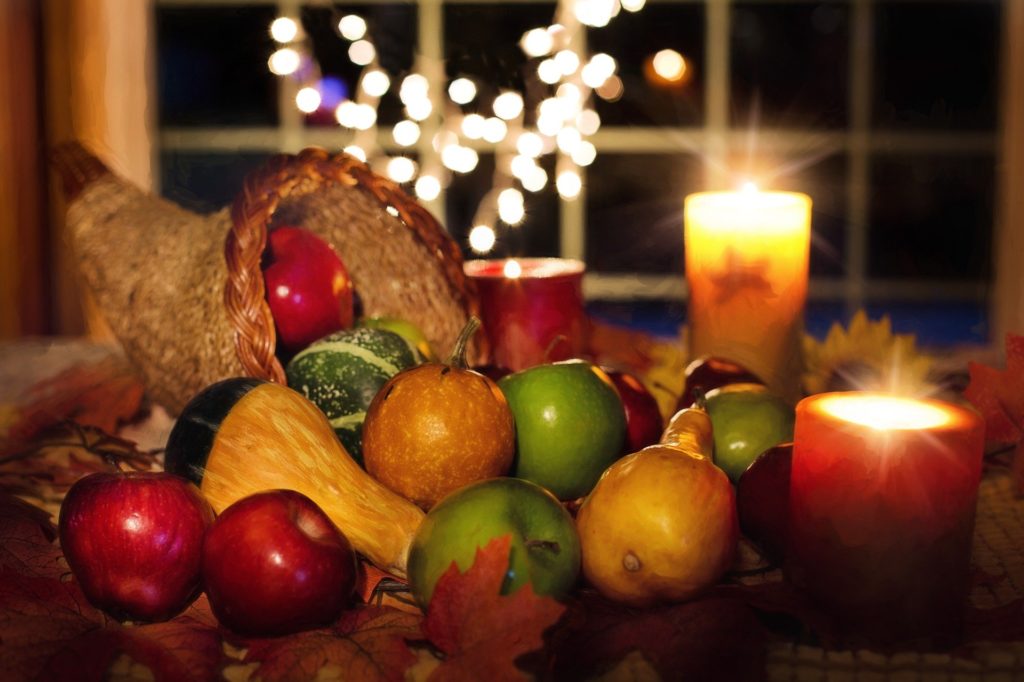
(342, 372)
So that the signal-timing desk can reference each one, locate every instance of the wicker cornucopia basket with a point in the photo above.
(184, 293)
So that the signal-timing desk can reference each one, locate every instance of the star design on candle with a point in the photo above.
(740, 277)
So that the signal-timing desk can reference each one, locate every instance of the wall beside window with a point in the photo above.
(893, 130)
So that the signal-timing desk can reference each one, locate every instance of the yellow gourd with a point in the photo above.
(243, 436)
(660, 525)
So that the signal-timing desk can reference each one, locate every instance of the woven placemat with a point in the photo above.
(998, 554)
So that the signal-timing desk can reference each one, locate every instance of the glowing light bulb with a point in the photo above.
(632, 5)
(364, 117)
(508, 105)
(414, 86)
(361, 52)
(536, 42)
(495, 130)
(462, 90)
(473, 126)
(510, 206)
(352, 27)
(347, 113)
(530, 144)
(307, 100)
(284, 62)
(584, 154)
(458, 158)
(535, 180)
(568, 139)
(669, 65)
(596, 13)
(419, 110)
(401, 169)
(284, 29)
(482, 238)
(428, 187)
(612, 89)
(568, 62)
(569, 184)
(406, 133)
(512, 269)
(375, 83)
(522, 166)
(588, 122)
(549, 71)
(356, 151)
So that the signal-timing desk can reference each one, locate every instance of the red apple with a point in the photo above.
(134, 542)
(762, 500)
(644, 422)
(274, 564)
(308, 287)
(707, 373)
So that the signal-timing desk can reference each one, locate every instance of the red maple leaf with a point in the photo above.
(999, 397)
(480, 631)
(103, 394)
(714, 638)
(365, 644)
(27, 537)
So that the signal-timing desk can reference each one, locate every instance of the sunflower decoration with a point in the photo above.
(866, 356)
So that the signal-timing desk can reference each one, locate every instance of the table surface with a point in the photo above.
(998, 550)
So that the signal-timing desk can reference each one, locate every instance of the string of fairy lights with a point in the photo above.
(562, 121)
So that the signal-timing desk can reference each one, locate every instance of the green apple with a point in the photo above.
(745, 422)
(407, 330)
(545, 547)
(570, 425)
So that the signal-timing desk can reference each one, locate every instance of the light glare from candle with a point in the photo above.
(669, 65)
(512, 269)
(885, 413)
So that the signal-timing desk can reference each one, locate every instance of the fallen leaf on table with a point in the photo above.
(45, 468)
(480, 631)
(366, 644)
(103, 394)
(998, 396)
(28, 540)
(710, 639)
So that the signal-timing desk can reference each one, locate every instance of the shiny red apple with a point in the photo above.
(308, 287)
(762, 500)
(644, 422)
(274, 564)
(134, 542)
(707, 373)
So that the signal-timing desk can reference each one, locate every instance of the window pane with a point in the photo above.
(931, 217)
(635, 211)
(633, 39)
(937, 64)
(205, 181)
(391, 28)
(537, 235)
(482, 42)
(789, 64)
(212, 66)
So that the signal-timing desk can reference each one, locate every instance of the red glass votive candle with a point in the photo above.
(883, 493)
(531, 309)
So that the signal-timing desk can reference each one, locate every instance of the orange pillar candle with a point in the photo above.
(883, 492)
(532, 309)
(746, 267)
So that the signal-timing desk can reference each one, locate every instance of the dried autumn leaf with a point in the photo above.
(480, 631)
(27, 538)
(715, 638)
(103, 394)
(998, 397)
(366, 644)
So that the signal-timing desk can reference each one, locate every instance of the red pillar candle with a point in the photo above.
(528, 303)
(882, 498)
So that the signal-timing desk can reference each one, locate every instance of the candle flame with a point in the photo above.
(749, 187)
(884, 412)
(513, 270)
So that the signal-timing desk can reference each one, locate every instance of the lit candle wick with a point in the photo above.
(749, 187)
(885, 412)
(512, 269)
